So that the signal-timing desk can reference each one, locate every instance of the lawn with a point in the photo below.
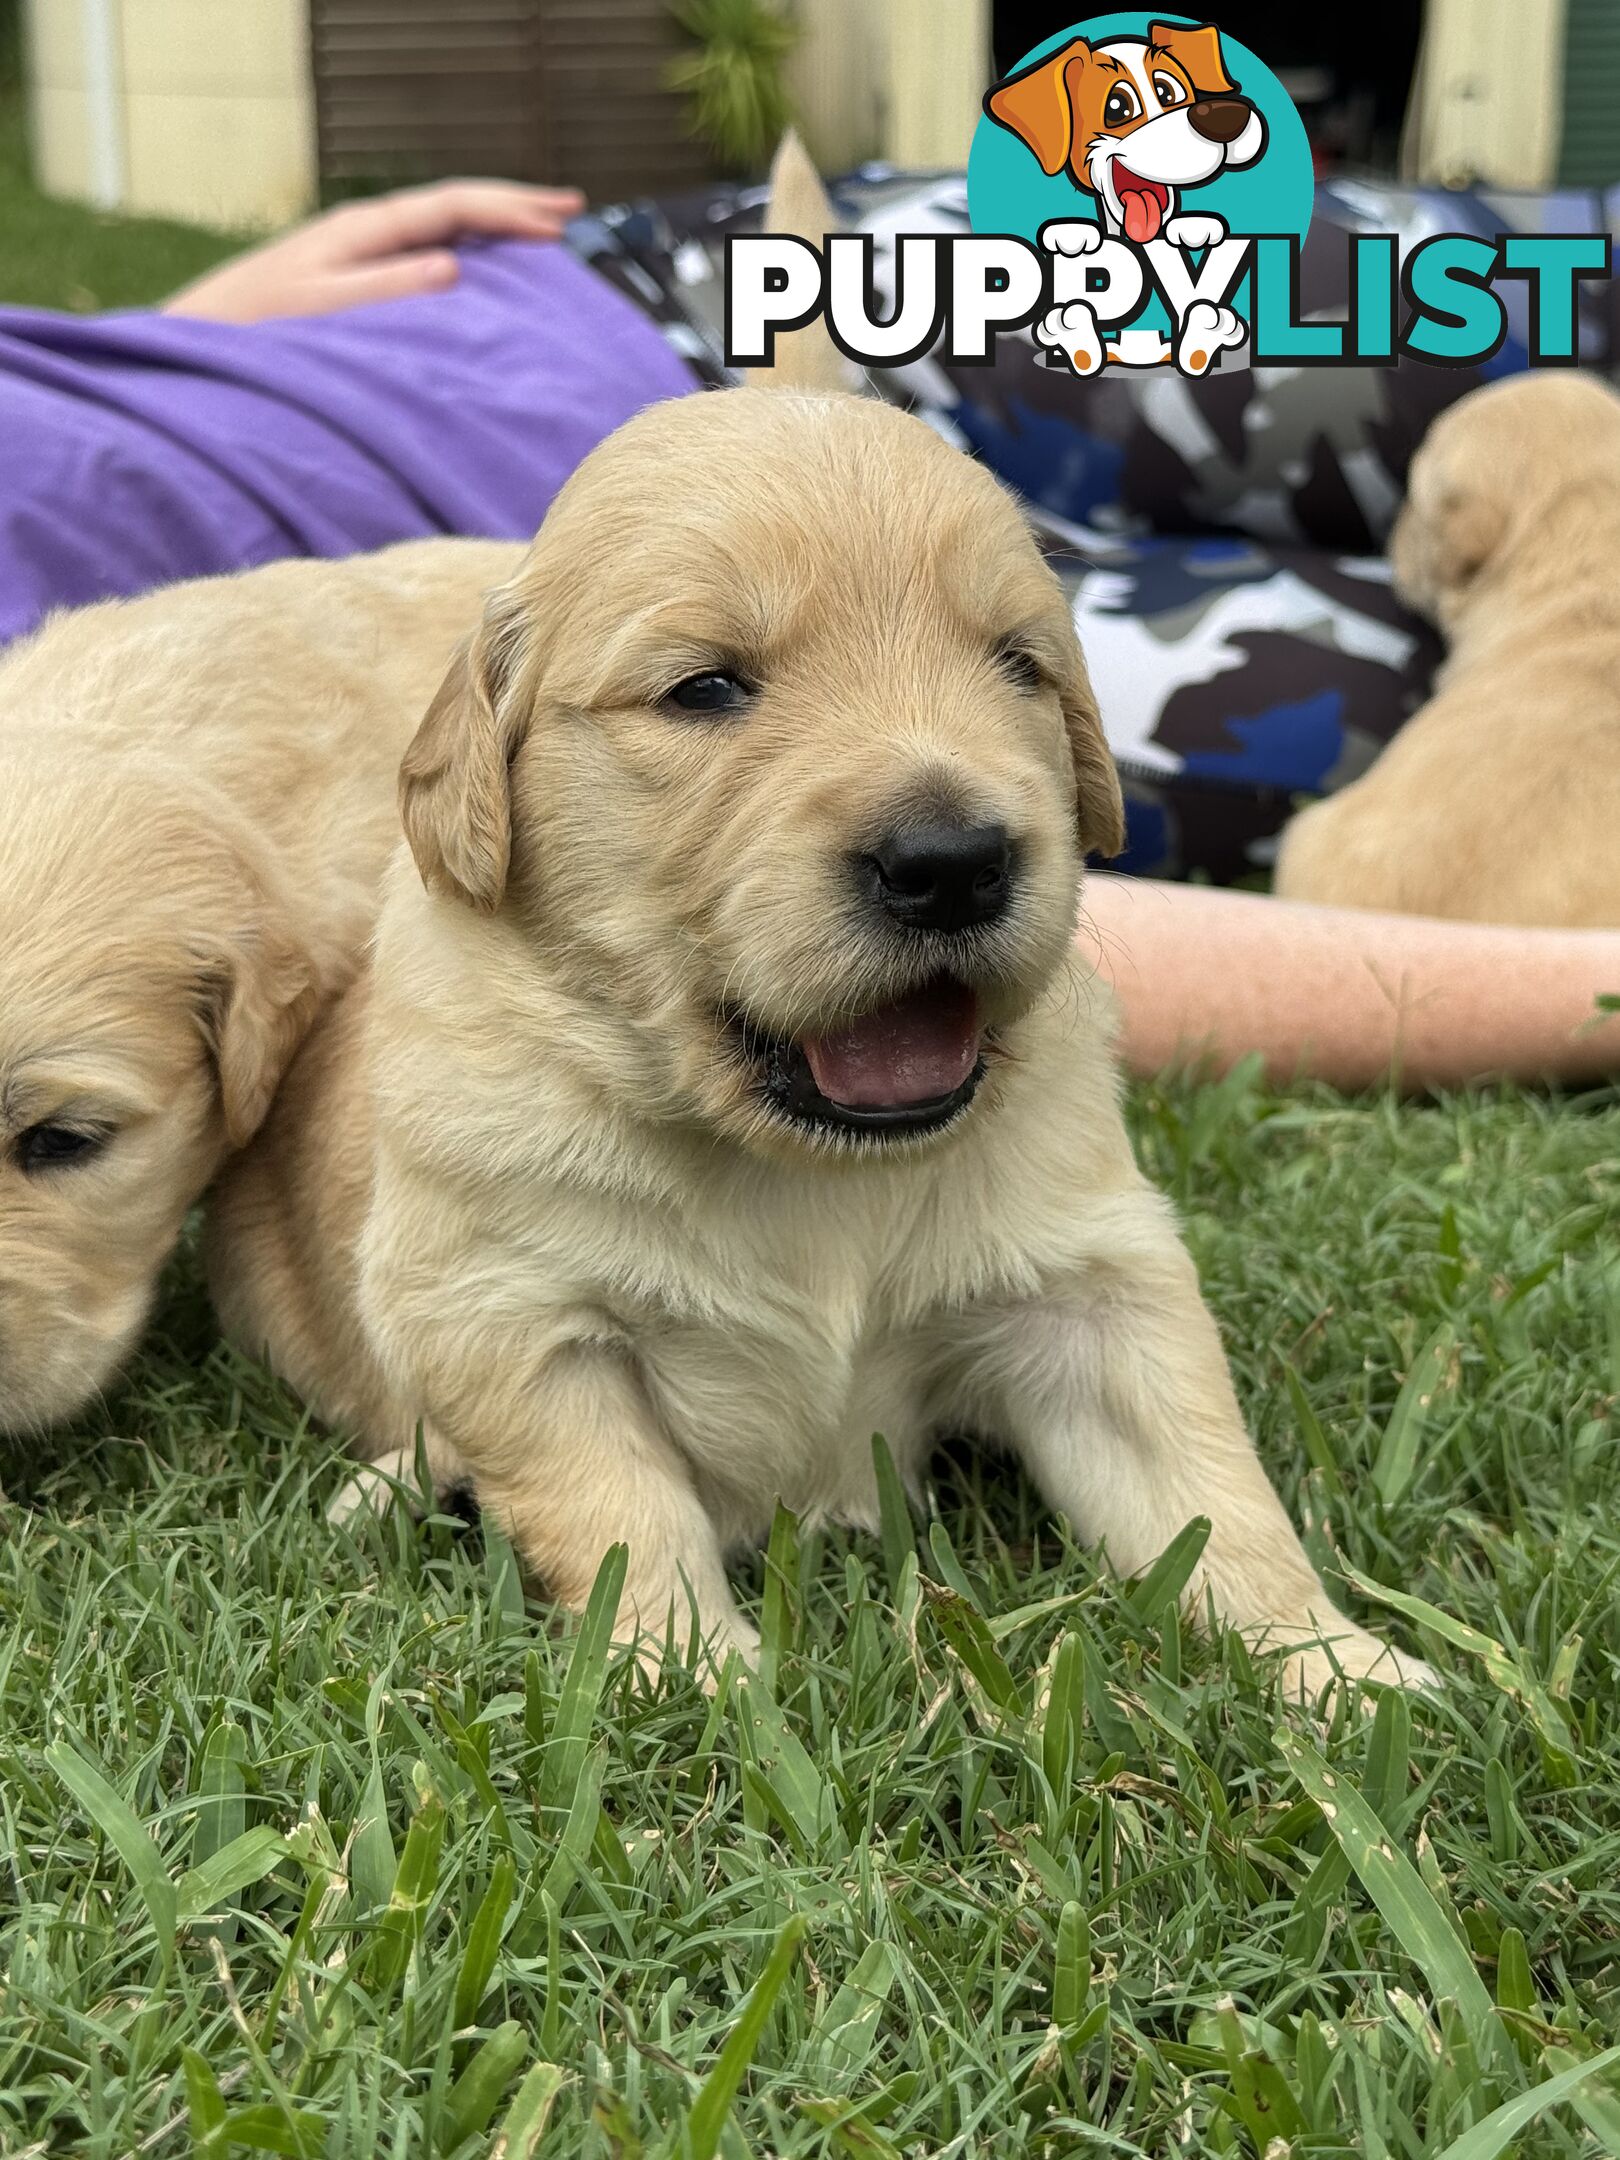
(327, 1841)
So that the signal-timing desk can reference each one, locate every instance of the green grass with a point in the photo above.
(328, 1843)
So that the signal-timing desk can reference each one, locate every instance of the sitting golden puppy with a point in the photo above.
(196, 802)
(726, 1087)
(1500, 800)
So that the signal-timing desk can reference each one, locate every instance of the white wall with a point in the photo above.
(208, 113)
(1488, 101)
(899, 79)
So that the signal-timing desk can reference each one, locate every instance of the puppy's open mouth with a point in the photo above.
(1142, 203)
(910, 1067)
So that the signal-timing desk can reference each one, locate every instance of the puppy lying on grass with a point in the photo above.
(1500, 800)
(196, 802)
(726, 1087)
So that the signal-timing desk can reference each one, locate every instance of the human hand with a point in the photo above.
(390, 247)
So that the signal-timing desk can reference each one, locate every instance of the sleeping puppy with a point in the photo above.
(1500, 800)
(196, 802)
(726, 1087)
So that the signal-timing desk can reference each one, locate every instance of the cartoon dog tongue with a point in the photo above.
(1141, 204)
(914, 1052)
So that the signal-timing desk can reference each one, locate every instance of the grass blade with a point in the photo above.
(848, 2027)
(1492, 2136)
(970, 1638)
(247, 1859)
(114, 1819)
(1396, 1461)
(524, 2123)
(712, 2106)
(409, 1896)
(1506, 1671)
(476, 2094)
(1398, 1890)
(1170, 1574)
(222, 1815)
(484, 1942)
(896, 1529)
(582, 1690)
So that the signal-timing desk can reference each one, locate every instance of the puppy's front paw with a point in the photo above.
(1207, 331)
(376, 1487)
(1192, 231)
(1071, 236)
(719, 1637)
(1345, 1653)
(1072, 331)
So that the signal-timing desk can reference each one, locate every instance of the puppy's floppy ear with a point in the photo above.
(455, 785)
(1197, 51)
(260, 988)
(1099, 804)
(1038, 105)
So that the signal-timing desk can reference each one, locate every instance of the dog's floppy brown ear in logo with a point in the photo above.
(1197, 52)
(455, 785)
(1038, 105)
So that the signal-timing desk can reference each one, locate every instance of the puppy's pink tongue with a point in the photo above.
(913, 1052)
(1142, 214)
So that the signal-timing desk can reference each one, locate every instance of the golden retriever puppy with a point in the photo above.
(196, 802)
(726, 1087)
(1500, 800)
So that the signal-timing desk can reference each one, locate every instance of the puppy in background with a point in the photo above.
(196, 802)
(726, 1087)
(1500, 800)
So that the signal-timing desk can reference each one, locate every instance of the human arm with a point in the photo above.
(390, 247)
(1349, 996)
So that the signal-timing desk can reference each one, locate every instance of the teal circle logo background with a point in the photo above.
(1009, 193)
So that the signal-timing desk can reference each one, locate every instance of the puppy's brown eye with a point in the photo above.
(1121, 106)
(712, 695)
(1021, 668)
(57, 1147)
(1169, 90)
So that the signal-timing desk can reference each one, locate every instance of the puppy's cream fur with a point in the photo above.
(1500, 800)
(524, 1186)
(196, 802)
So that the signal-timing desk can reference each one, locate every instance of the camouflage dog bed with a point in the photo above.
(1222, 539)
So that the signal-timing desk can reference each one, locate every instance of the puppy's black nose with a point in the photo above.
(1220, 119)
(943, 877)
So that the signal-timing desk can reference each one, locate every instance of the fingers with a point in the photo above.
(427, 217)
(401, 277)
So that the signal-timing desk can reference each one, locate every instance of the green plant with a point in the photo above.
(739, 101)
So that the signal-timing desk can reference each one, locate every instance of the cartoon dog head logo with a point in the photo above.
(1118, 122)
(1134, 120)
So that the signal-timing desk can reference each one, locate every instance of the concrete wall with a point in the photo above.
(198, 109)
